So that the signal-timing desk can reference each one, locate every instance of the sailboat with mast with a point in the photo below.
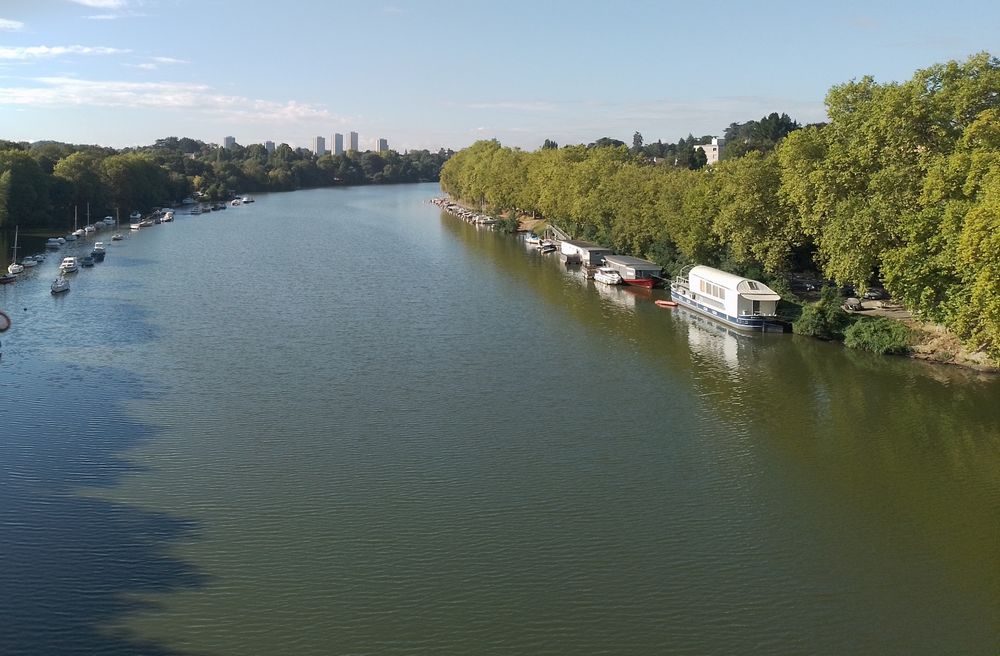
(14, 268)
(72, 236)
(117, 236)
(89, 229)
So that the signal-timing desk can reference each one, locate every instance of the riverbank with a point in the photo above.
(930, 342)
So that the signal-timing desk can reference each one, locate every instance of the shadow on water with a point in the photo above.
(75, 565)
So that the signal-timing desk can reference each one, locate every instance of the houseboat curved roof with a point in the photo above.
(745, 287)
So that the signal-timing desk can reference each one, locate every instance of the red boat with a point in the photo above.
(640, 282)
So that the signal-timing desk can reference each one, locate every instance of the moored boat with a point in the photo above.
(28, 262)
(737, 302)
(634, 271)
(14, 268)
(53, 244)
(87, 261)
(60, 284)
(69, 264)
(608, 276)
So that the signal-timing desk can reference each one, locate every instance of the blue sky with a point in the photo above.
(430, 74)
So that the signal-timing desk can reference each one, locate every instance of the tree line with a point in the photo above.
(41, 182)
(900, 187)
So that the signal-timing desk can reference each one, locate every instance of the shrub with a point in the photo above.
(508, 224)
(824, 319)
(878, 335)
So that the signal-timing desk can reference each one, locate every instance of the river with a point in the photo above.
(339, 421)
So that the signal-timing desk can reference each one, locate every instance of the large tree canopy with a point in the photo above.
(902, 185)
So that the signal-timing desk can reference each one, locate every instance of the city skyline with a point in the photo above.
(319, 145)
(97, 71)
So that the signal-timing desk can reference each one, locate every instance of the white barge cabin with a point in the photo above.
(738, 302)
(584, 252)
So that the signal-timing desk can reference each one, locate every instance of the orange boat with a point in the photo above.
(666, 304)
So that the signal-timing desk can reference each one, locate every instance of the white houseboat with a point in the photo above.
(583, 252)
(737, 302)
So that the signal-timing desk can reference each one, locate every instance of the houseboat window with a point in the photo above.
(751, 284)
(712, 289)
(756, 307)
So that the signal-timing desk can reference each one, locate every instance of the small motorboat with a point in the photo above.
(117, 236)
(135, 216)
(99, 246)
(532, 239)
(236, 202)
(86, 261)
(665, 304)
(39, 257)
(60, 284)
(608, 276)
(69, 265)
(61, 240)
(53, 244)
(28, 262)
(98, 255)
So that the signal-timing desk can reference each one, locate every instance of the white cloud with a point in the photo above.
(69, 92)
(7, 25)
(45, 52)
(102, 4)
(102, 17)
(155, 63)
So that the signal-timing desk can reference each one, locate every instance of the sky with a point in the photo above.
(445, 73)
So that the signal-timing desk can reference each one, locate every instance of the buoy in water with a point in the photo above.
(666, 304)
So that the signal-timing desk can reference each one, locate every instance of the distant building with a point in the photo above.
(229, 143)
(382, 146)
(269, 147)
(713, 150)
(352, 141)
(338, 144)
(319, 146)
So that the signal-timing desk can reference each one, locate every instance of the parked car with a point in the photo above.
(873, 294)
